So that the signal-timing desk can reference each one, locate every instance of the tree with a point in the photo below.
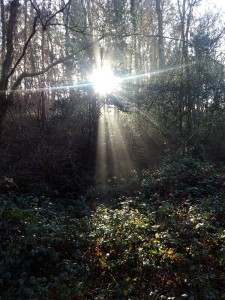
(42, 20)
(160, 33)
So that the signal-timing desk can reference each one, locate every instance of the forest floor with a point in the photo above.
(159, 234)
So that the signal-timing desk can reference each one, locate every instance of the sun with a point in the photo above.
(104, 81)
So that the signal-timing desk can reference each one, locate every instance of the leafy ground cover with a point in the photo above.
(166, 240)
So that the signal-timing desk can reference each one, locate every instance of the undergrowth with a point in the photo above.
(158, 235)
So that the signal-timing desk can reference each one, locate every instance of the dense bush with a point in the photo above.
(164, 241)
(41, 249)
(182, 176)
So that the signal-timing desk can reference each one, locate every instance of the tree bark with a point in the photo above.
(11, 26)
(8, 59)
(3, 26)
(160, 33)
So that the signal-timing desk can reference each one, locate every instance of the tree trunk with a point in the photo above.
(160, 34)
(185, 12)
(3, 26)
(3, 110)
(8, 59)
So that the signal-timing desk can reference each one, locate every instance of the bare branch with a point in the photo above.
(55, 63)
(24, 48)
(74, 29)
(46, 24)
(37, 10)
(57, 12)
(31, 36)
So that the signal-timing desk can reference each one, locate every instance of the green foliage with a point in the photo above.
(181, 176)
(164, 241)
(170, 250)
(168, 240)
(41, 249)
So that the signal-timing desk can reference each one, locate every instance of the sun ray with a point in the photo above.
(112, 158)
(103, 80)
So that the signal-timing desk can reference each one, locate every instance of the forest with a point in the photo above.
(112, 150)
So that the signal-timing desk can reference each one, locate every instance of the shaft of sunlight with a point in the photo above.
(112, 157)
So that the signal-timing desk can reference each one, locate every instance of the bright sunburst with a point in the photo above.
(104, 81)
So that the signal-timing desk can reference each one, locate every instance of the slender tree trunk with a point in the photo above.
(2, 5)
(160, 33)
(134, 25)
(25, 38)
(185, 13)
(3, 110)
(43, 94)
